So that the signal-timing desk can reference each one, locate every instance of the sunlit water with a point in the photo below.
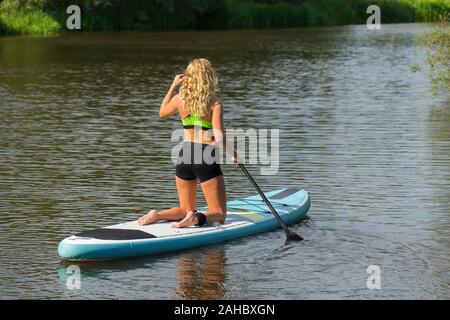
(81, 146)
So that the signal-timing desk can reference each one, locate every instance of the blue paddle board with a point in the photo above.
(244, 217)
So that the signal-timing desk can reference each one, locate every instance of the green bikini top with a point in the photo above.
(194, 120)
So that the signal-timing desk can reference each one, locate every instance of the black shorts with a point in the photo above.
(198, 161)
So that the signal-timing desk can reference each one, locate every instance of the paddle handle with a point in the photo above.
(275, 213)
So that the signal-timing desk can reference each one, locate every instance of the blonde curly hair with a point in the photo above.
(198, 87)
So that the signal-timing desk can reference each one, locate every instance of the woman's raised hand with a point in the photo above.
(177, 80)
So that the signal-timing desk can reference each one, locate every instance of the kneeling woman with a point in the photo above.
(201, 112)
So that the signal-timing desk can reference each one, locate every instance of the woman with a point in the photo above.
(201, 113)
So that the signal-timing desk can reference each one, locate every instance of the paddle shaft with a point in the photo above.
(275, 213)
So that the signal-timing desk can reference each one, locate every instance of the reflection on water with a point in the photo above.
(81, 146)
(201, 276)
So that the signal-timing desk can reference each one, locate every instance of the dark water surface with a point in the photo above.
(81, 146)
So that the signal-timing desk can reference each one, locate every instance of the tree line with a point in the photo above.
(49, 16)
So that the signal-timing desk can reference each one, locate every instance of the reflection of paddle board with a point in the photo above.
(247, 216)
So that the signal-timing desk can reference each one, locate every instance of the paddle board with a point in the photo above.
(244, 217)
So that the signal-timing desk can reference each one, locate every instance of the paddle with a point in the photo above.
(291, 235)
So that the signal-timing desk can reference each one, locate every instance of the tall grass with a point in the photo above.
(28, 23)
(438, 56)
(428, 10)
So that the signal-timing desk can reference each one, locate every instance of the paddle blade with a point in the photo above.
(291, 235)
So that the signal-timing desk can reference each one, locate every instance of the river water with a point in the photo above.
(81, 146)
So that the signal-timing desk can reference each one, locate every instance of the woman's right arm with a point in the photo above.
(219, 132)
(170, 103)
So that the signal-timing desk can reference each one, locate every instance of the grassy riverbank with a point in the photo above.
(43, 17)
(28, 22)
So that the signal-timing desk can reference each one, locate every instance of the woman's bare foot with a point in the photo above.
(149, 218)
(189, 220)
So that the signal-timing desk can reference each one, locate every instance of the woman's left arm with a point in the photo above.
(169, 105)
